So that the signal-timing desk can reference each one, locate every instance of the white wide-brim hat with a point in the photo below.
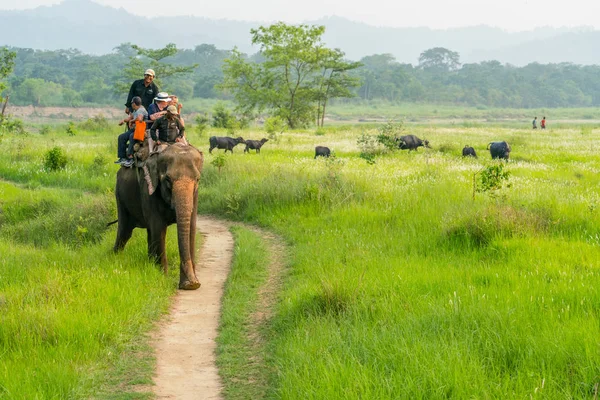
(162, 96)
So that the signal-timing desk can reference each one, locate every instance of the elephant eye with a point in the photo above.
(168, 181)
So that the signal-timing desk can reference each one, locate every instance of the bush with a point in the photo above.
(275, 126)
(96, 124)
(98, 165)
(55, 159)
(71, 129)
(222, 117)
(492, 179)
(389, 134)
(11, 125)
(201, 124)
(482, 227)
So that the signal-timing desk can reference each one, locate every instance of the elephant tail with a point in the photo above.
(114, 222)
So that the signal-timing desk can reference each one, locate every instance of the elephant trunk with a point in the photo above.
(184, 203)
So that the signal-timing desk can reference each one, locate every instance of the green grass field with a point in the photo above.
(398, 285)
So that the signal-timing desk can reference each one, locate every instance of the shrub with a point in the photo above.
(201, 124)
(97, 123)
(491, 180)
(9, 124)
(389, 134)
(222, 117)
(71, 129)
(219, 162)
(369, 147)
(98, 165)
(275, 126)
(494, 221)
(44, 130)
(55, 159)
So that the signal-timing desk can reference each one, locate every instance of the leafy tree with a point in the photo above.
(333, 81)
(7, 63)
(149, 58)
(439, 58)
(285, 80)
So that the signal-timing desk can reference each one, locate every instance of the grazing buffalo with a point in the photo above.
(411, 142)
(255, 145)
(499, 150)
(225, 142)
(469, 151)
(322, 151)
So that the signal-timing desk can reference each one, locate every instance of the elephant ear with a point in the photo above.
(151, 173)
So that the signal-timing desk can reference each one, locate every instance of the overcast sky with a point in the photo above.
(512, 15)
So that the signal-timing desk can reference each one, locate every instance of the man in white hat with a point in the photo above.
(159, 107)
(145, 88)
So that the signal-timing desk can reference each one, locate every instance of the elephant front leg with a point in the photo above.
(157, 248)
(187, 267)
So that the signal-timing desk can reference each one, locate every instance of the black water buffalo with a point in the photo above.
(411, 142)
(322, 151)
(469, 151)
(225, 142)
(255, 145)
(499, 150)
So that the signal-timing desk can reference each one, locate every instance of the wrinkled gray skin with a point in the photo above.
(322, 151)
(499, 150)
(174, 173)
(411, 142)
(224, 142)
(469, 151)
(255, 145)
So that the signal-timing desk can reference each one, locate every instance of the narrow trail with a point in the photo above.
(185, 343)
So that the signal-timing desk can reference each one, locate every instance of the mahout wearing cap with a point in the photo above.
(172, 109)
(149, 72)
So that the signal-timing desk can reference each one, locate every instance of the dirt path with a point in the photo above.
(185, 344)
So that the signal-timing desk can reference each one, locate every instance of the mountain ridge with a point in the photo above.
(97, 29)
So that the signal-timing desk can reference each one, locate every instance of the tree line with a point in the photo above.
(294, 72)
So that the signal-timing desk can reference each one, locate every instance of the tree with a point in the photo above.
(7, 63)
(148, 58)
(294, 72)
(334, 81)
(439, 58)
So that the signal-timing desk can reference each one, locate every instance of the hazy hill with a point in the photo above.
(97, 29)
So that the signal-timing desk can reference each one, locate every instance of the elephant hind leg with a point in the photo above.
(124, 232)
(157, 248)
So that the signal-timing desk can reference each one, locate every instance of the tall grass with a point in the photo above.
(400, 284)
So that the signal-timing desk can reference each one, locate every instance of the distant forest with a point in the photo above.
(70, 78)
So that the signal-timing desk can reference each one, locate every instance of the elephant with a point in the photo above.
(167, 193)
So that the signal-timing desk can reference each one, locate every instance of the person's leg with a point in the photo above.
(130, 147)
(122, 145)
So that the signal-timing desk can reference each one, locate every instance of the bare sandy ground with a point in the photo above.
(185, 344)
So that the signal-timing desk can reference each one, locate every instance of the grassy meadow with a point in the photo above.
(399, 283)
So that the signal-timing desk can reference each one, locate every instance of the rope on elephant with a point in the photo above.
(151, 187)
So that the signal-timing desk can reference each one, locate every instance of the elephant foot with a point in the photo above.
(189, 285)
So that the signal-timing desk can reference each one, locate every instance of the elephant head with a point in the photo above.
(166, 193)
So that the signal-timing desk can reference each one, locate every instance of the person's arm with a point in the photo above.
(181, 128)
(157, 115)
(153, 131)
(125, 120)
(129, 97)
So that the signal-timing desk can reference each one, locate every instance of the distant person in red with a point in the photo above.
(543, 123)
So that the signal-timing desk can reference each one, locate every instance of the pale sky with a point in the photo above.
(511, 15)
